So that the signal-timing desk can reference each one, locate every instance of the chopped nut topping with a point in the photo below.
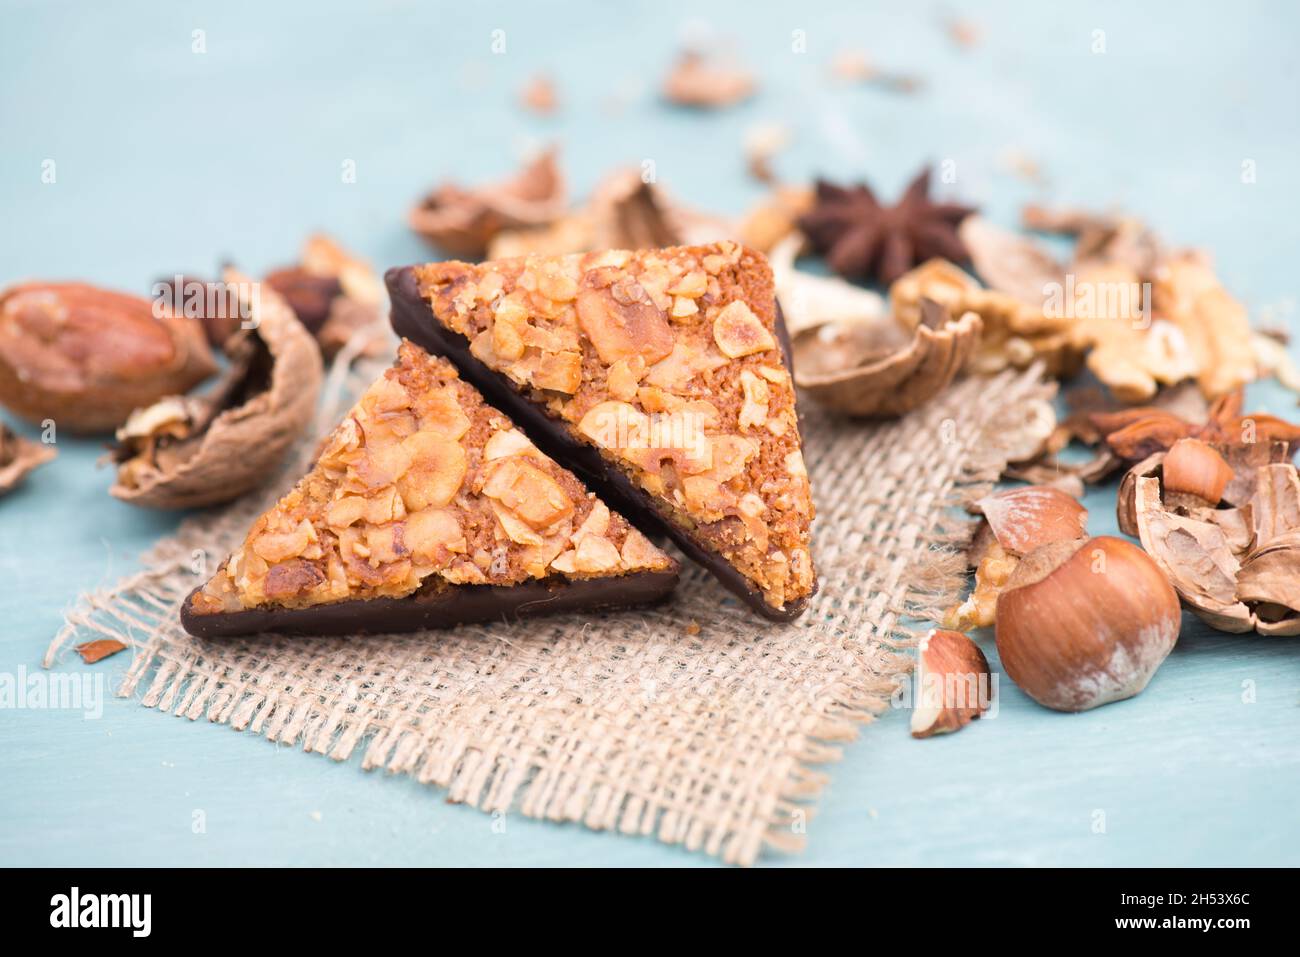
(675, 375)
(423, 478)
(622, 321)
(739, 332)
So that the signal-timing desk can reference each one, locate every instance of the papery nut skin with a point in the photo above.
(1092, 630)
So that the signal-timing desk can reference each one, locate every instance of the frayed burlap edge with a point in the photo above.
(695, 723)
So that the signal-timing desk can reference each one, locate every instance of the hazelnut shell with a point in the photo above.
(891, 385)
(243, 444)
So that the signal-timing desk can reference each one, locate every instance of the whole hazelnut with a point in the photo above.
(1084, 623)
(86, 357)
(1194, 469)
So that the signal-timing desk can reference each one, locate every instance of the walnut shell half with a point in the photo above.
(85, 357)
(188, 452)
(853, 368)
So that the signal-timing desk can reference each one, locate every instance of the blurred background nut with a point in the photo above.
(85, 357)
(217, 306)
(308, 295)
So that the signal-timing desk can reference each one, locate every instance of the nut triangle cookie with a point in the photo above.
(427, 508)
(660, 377)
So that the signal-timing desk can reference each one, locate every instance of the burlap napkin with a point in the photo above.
(697, 722)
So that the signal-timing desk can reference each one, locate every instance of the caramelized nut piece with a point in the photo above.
(754, 410)
(438, 468)
(441, 414)
(738, 332)
(624, 376)
(622, 321)
(731, 453)
(277, 546)
(692, 284)
(559, 372)
(794, 464)
(529, 492)
(433, 534)
(638, 551)
(595, 554)
(506, 442)
(611, 425)
(292, 579)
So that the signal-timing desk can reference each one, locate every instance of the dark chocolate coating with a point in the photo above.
(412, 318)
(438, 605)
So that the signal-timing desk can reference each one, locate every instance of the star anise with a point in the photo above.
(1133, 434)
(861, 238)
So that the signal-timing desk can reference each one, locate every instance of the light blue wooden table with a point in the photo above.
(168, 159)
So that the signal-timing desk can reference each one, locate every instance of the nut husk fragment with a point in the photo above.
(775, 217)
(19, 456)
(335, 295)
(623, 212)
(186, 452)
(1010, 262)
(1017, 521)
(85, 357)
(464, 221)
(630, 213)
(952, 678)
(99, 649)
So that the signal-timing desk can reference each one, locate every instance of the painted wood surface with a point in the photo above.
(170, 160)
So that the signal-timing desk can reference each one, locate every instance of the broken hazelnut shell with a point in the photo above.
(1081, 624)
(951, 679)
(85, 357)
(1233, 567)
(464, 221)
(254, 418)
(699, 82)
(1024, 519)
(1016, 522)
(865, 369)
